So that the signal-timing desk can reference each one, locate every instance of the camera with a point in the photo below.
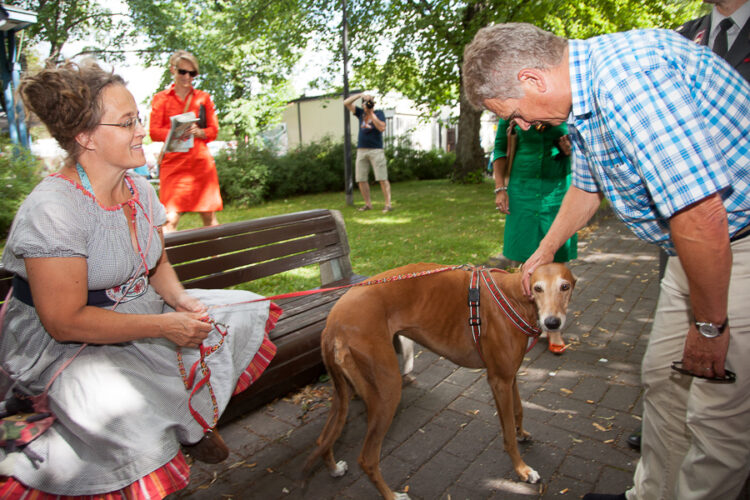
(369, 104)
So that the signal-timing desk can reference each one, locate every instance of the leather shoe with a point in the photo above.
(211, 449)
(634, 440)
(604, 496)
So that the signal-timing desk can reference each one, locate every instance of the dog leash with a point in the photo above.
(380, 281)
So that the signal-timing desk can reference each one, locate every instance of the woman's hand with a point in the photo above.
(196, 131)
(501, 202)
(187, 303)
(186, 329)
(564, 144)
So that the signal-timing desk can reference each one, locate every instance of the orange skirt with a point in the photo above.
(188, 182)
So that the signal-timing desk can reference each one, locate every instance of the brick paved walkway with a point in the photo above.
(445, 441)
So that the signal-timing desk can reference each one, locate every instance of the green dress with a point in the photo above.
(539, 178)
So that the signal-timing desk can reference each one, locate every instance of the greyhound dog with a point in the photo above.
(358, 346)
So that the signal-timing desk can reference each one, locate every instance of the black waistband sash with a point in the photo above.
(22, 291)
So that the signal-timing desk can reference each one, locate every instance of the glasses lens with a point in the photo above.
(131, 123)
(187, 72)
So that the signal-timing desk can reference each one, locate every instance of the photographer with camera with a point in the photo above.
(370, 149)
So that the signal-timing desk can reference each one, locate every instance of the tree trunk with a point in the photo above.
(469, 153)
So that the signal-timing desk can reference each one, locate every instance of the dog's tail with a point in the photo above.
(339, 408)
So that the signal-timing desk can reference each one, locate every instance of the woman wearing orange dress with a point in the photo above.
(188, 181)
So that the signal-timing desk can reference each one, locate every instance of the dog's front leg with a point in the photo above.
(521, 433)
(503, 390)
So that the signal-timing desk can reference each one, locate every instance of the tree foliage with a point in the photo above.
(246, 50)
(416, 47)
(105, 32)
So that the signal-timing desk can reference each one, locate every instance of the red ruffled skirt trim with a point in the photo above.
(175, 474)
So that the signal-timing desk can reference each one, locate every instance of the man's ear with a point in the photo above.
(532, 78)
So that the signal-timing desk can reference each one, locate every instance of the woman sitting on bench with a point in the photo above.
(98, 321)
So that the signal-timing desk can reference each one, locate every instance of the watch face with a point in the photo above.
(708, 330)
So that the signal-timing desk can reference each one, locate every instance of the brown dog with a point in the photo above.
(357, 348)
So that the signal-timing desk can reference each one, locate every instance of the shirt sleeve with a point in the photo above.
(580, 170)
(212, 123)
(675, 161)
(501, 140)
(158, 124)
(46, 226)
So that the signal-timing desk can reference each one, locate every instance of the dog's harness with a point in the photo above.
(502, 301)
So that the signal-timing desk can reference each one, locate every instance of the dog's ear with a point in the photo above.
(574, 278)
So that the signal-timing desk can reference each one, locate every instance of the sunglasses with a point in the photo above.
(187, 72)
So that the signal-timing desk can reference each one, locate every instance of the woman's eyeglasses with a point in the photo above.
(129, 124)
(193, 73)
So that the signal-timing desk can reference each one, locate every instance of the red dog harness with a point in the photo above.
(502, 301)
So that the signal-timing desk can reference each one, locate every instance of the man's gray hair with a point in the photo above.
(493, 59)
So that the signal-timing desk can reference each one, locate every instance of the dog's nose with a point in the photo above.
(552, 322)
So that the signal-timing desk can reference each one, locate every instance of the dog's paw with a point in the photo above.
(340, 470)
(400, 496)
(523, 436)
(533, 477)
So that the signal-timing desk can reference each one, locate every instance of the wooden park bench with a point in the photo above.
(240, 252)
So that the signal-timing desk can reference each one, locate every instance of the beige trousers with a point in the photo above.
(696, 434)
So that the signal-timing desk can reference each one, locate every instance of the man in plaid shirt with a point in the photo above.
(661, 127)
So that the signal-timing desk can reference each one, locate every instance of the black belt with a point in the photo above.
(22, 291)
(745, 231)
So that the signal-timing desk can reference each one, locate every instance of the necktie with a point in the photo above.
(720, 44)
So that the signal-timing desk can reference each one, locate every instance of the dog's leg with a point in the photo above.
(378, 382)
(521, 433)
(405, 347)
(502, 389)
(336, 417)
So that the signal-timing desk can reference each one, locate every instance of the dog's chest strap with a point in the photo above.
(475, 322)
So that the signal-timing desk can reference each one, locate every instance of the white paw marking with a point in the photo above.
(534, 477)
(400, 496)
(340, 470)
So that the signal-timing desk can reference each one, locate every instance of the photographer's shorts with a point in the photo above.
(374, 157)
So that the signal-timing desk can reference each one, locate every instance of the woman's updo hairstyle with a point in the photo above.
(67, 99)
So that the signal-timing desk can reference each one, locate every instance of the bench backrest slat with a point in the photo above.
(253, 272)
(228, 262)
(202, 245)
(230, 228)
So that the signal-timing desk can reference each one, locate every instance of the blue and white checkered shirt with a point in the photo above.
(658, 123)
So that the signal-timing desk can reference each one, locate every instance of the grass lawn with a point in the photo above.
(432, 221)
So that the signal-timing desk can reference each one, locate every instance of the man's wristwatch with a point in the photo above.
(710, 330)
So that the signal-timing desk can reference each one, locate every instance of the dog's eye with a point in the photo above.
(538, 288)
(565, 287)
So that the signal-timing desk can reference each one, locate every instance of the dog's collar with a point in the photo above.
(502, 301)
